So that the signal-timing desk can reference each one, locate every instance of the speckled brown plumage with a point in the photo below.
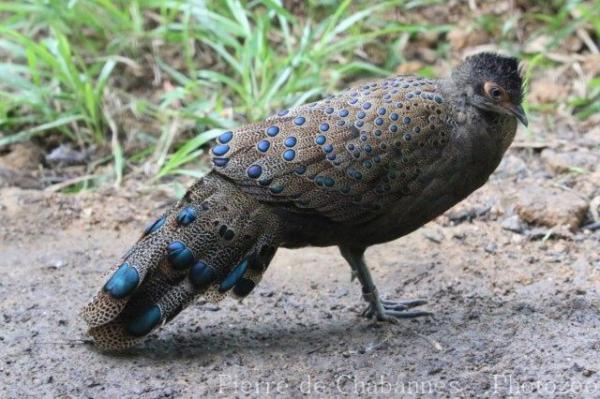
(366, 166)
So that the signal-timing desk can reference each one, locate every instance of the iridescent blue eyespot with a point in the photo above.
(367, 105)
(360, 114)
(327, 148)
(254, 171)
(186, 216)
(283, 112)
(179, 255)
(394, 116)
(220, 149)
(324, 127)
(406, 120)
(290, 141)
(299, 120)
(225, 137)
(265, 182)
(343, 113)
(289, 155)
(276, 188)
(155, 226)
(329, 110)
(381, 111)
(438, 99)
(234, 276)
(143, 323)
(122, 282)
(243, 287)
(201, 274)
(272, 131)
(393, 128)
(263, 145)
(320, 140)
(354, 173)
(300, 169)
(220, 161)
(379, 121)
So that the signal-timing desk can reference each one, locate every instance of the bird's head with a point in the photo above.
(493, 83)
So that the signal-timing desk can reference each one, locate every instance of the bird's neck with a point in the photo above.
(488, 134)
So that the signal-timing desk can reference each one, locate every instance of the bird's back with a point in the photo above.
(367, 164)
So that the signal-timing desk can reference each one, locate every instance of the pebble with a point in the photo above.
(434, 235)
(491, 248)
(513, 223)
(568, 161)
(550, 206)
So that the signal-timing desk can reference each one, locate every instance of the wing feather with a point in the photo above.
(344, 157)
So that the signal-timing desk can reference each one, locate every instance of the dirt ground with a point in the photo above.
(514, 291)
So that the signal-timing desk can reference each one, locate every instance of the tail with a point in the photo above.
(213, 242)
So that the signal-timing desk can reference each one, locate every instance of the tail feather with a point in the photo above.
(215, 241)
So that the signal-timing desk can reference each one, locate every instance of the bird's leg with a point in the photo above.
(382, 309)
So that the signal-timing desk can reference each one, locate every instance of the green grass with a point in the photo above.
(151, 82)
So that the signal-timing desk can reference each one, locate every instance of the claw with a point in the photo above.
(391, 311)
(407, 315)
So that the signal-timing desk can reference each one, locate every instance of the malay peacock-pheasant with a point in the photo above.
(367, 166)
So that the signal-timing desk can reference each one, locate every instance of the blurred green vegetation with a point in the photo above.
(150, 82)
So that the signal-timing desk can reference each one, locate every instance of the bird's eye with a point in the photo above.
(494, 91)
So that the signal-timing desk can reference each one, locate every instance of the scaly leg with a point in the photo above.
(384, 310)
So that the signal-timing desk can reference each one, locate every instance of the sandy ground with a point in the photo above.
(515, 295)
(514, 314)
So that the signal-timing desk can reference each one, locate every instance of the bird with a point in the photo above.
(366, 166)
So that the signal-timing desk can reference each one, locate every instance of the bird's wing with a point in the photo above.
(344, 157)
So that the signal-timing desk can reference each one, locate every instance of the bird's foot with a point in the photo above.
(385, 310)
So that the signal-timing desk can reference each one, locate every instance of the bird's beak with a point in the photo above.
(519, 112)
